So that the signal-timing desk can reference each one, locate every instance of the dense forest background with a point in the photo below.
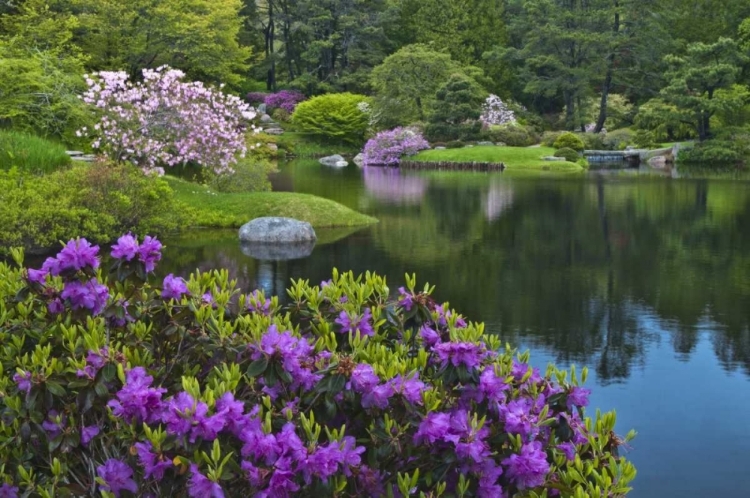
(678, 68)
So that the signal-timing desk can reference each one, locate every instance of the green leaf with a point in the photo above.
(55, 388)
(258, 367)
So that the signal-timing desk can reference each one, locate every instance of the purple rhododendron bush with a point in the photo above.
(115, 384)
(387, 147)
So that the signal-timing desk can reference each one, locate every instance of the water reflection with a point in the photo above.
(391, 186)
(645, 280)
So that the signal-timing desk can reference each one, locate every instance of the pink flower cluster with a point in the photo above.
(496, 112)
(165, 121)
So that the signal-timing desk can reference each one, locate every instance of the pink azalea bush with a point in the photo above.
(496, 112)
(387, 147)
(133, 387)
(165, 121)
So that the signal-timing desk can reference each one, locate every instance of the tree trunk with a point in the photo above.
(608, 78)
(569, 109)
(270, 33)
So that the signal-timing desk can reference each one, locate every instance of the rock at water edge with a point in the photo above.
(276, 230)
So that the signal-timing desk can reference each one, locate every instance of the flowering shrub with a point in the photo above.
(496, 112)
(387, 147)
(285, 99)
(194, 388)
(255, 98)
(164, 121)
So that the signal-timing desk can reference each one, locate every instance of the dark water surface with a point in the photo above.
(645, 280)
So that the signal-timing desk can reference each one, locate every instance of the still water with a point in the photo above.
(645, 280)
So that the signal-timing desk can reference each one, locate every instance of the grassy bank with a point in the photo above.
(30, 153)
(514, 158)
(211, 209)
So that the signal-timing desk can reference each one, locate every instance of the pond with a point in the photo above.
(644, 279)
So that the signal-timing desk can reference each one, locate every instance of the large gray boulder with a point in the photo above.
(266, 119)
(359, 160)
(277, 252)
(276, 230)
(334, 161)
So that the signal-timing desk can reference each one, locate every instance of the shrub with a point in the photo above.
(285, 99)
(645, 139)
(593, 141)
(618, 139)
(569, 154)
(456, 110)
(454, 144)
(334, 116)
(194, 388)
(569, 140)
(549, 137)
(387, 147)
(250, 175)
(163, 121)
(281, 115)
(711, 153)
(255, 98)
(99, 201)
(30, 154)
(496, 112)
(512, 135)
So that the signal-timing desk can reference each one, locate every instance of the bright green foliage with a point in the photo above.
(338, 116)
(249, 175)
(199, 37)
(456, 110)
(618, 139)
(737, 112)
(568, 153)
(569, 140)
(514, 158)
(30, 154)
(695, 78)
(407, 81)
(99, 201)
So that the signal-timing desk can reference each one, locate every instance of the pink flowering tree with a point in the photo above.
(496, 112)
(164, 121)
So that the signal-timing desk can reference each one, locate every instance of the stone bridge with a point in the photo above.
(633, 157)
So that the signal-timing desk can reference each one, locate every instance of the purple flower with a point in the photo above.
(23, 381)
(173, 287)
(364, 378)
(405, 299)
(137, 400)
(430, 337)
(285, 99)
(387, 147)
(184, 415)
(409, 387)
(492, 386)
(118, 476)
(208, 299)
(55, 307)
(355, 323)
(37, 276)
(252, 473)
(457, 354)
(489, 473)
(292, 352)
(256, 303)
(518, 418)
(51, 266)
(153, 465)
(281, 485)
(8, 491)
(149, 252)
(529, 468)
(578, 396)
(200, 486)
(94, 362)
(378, 396)
(434, 427)
(86, 295)
(88, 433)
(54, 424)
(569, 449)
(232, 412)
(126, 247)
(519, 370)
(77, 255)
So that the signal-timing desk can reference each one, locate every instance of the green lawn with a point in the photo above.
(218, 210)
(514, 158)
